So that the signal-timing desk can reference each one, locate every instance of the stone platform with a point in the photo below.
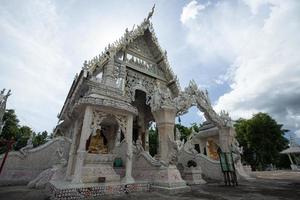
(66, 190)
(99, 165)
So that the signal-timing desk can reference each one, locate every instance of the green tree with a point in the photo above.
(184, 131)
(262, 138)
(40, 138)
(11, 125)
(12, 130)
(22, 136)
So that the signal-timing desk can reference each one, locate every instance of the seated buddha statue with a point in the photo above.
(97, 144)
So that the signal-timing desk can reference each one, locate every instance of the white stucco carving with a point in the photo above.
(3, 101)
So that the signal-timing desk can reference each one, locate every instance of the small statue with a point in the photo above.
(156, 100)
(177, 134)
(60, 153)
(139, 145)
(237, 151)
(97, 143)
(3, 97)
(188, 146)
(118, 138)
(29, 145)
(226, 118)
(180, 143)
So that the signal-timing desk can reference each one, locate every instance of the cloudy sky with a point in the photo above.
(246, 53)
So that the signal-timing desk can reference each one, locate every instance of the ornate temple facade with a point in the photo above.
(105, 120)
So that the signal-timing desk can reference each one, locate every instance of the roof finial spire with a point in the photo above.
(151, 13)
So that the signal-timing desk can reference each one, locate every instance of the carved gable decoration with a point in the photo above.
(140, 47)
(143, 55)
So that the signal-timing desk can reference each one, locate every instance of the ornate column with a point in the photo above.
(81, 152)
(72, 150)
(147, 140)
(168, 178)
(128, 176)
(226, 135)
(165, 121)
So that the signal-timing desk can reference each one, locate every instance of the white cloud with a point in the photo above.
(261, 41)
(44, 43)
(190, 11)
(33, 62)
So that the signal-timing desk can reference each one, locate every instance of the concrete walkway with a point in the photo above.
(285, 186)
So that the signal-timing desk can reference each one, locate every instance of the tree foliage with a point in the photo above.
(11, 126)
(262, 138)
(12, 130)
(40, 138)
(186, 131)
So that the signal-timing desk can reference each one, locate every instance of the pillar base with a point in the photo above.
(77, 177)
(170, 190)
(128, 180)
(169, 179)
(193, 176)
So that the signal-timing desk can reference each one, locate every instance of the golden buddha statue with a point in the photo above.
(97, 143)
(212, 149)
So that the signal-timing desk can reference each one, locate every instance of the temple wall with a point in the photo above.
(145, 167)
(142, 169)
(210, 168)
(19, 169)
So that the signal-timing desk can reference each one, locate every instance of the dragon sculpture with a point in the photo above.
(193, 96)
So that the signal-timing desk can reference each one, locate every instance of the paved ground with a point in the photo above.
(279, 185)
(279, 175)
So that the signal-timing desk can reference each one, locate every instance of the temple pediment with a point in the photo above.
(141, 47)
(136, 52)
(140, 50)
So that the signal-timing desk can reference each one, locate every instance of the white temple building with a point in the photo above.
(103, 127)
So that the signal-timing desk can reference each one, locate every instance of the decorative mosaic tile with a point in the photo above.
(95, 191)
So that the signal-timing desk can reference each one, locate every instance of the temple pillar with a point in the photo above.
(168, 178)
(291, 160)
(81, 152)
(147, 140)
(129, 154)
(72, 150)
(226, 136)
(165, 122)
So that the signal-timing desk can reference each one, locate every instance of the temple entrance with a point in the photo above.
(103, 138)
(141, 122)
